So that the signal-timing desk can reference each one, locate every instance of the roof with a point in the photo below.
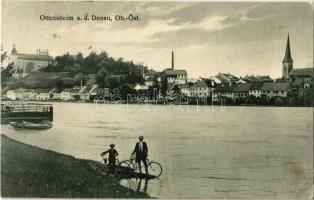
(287, 58)
(56, 90)
(170, 86)
(175, 72)
(256, 86)
(226, 88)
(256, 79)
(67, 90)
(19, 90)
(43, 90)
(87, 89)
(29, 90)
(200, 84)
(302, 72)
(243, 87)
(222, 79)
(275, 86)
(34, 57)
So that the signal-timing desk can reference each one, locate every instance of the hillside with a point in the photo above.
(38, 80)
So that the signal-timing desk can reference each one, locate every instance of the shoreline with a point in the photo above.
(160, 104)
(28, 171)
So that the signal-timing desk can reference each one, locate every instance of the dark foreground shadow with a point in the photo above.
(28, 171)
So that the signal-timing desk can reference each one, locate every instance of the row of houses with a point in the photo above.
(44, 94)
(242, 90)
(257, 90)
(83, 93)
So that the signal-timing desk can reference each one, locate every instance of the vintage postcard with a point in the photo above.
(157, 99)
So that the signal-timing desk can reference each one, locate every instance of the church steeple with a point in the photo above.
(288, 58)
(287, 63)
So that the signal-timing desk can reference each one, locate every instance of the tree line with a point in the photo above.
(110, 72)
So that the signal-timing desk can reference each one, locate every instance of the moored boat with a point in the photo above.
(30, 125)
(25, 111)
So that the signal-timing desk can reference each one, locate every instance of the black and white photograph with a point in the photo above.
(157, 99)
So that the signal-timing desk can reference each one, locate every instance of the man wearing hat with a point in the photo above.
(112, 158)
(141, 152)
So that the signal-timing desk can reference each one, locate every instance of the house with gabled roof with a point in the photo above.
(43, 94)
(184, 89)
(200, 89)
(241, 90)
(270, 90)
(255, 90)
(222, 91)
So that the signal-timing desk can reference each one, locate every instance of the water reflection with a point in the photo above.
(149, 186)
(139, 185)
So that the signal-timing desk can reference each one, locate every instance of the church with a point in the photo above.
(27, 63)
(301, 77)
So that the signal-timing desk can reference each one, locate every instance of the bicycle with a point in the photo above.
(122, 169)
(154, 168)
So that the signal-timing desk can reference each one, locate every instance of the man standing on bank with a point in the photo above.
(141, 152)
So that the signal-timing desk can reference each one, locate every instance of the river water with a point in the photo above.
(235, 152)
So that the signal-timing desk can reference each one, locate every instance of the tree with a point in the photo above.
(113, 83)
(293, 101)
(176, 90)
(79, 79)
(6, 73)
(3, 56)
(133, 79)
(250, 99)
(308, 97)
(279, 101)
(102, 78)
(156, 85)
(164, 86)
(264, 100)
(126, 89)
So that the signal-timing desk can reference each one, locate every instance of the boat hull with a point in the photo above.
(30, 125)
(7, 117)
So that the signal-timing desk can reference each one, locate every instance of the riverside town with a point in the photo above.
(70, 78)
(157, 99)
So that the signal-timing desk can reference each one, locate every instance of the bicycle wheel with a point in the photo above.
(154, 169)
(124, 169)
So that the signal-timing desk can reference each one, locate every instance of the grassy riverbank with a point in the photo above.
(28, 171)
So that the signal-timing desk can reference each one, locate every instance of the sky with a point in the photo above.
(242, 38)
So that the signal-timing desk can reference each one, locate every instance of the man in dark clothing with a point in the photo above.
(112, 158)
(141, 152)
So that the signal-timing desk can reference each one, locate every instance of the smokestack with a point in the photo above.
(172, 61)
